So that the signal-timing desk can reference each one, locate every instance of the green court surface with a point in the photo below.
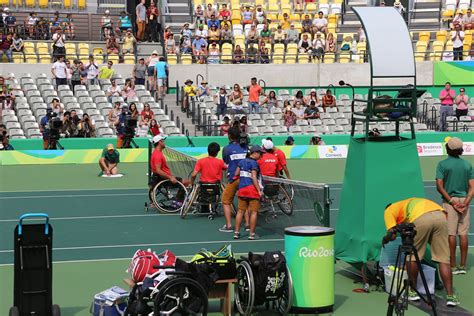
(98, 224)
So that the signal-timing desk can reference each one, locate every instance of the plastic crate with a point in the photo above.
(429, 276)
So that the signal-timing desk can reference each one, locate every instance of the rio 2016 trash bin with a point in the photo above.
(309, 253)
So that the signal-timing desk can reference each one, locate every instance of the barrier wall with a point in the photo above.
(458, 73)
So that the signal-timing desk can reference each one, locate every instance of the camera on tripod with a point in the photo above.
(130, 125)
(55, 126)
(407, 232)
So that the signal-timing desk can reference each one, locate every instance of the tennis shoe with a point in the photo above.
(253, 237)
(413, 296)
(226, 229)
(461, 270)
(452, 300)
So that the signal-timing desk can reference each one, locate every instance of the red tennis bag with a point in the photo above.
(143, 262)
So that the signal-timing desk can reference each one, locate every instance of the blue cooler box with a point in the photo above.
(111, 302)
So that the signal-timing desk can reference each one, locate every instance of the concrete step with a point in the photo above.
(179, 18)
(172, 2)
(427, 5)
(178, 8)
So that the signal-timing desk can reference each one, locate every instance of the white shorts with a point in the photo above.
(161, 82)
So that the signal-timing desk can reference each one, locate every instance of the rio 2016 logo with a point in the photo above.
(306, 252)
(332, 149)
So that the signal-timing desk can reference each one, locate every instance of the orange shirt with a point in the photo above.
(211, 169)
(158, 159)
(408, 210)
(254, 93)
(281, 158)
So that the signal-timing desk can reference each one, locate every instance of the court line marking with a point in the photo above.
(69, 196)
(160, 244)
(72, 190)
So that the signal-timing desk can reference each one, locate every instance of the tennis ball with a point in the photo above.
(391, 268)
(447, 138)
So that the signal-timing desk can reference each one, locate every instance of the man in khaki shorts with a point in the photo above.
(431, 228)
(455, 183)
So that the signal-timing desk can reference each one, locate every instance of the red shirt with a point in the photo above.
(158, 159)
(210, 169)
(254, 93)
(269, 165)
(281, 158)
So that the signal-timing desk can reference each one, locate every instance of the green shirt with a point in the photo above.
(105, 72)
(113, 157)
(455, 173)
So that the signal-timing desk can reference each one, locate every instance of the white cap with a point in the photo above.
(158, 138)
(6, 9)
(107, 11)
(267, 144)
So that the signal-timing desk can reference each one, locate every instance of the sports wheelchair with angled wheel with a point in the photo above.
(276, 195)
(167, 197)
(204, 199)
(263, 280)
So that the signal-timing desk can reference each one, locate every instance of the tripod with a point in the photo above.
(54, 144)
(129, 142)
(398, 300)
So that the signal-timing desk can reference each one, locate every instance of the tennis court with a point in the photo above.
(98, 224)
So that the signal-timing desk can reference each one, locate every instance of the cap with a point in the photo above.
(6, 9)
(256, 148)
(158, 138)
(55, 99)
(124, 106)
(313, 90)
(292, 24)
(155, 52)
(188, 81)
(318, 33)
(317, 135)
(204, 82)
(267, 144)
(110, 147)
(290, 138)
(454, 143)
(107, 11)
(226, 118)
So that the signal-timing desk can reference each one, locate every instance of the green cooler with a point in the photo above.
(309, 253)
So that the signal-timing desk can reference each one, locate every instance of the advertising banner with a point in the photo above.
(430, 149)
(332, 151)
(455, 72)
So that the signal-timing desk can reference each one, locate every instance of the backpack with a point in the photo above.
(143, 263)
(270, 275)
(222, 261)
(346, 47)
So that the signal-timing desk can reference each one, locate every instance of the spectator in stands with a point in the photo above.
(124, 23)
(200, 49)
(7, 103)
(83, 73)
(299, 97)
(199, 15)
(361, 35)
(186, 31)
(238, 55)
(189, 91)
(132, 109)
(316, 140)
(311, 112)
(225, 126)
(68, 72)
(292, 35)
(346, 45)
(447, 97)
(226, 21)
(221, 100)
(55, 22)
(153, 23)
(247, 15)
(305, 46)
(151, 63)
(210, 11)
(58, 43)
(260, 16)
(114, 114)
(320, 23)
(201, 32)
(139, 72)
(252, 35)
(214, 54)
(214, 34)
(129, 42)
(213, 21)
(298, 6)
(313, 96)
(462, 101)
(106, 24)
(75, 74)
(112, 45)
(42, 29)
(279, 37)
(109, 160)
(468, 22)
(399, 7)
(458, 20)
(92, 70)
(318, 47)
(236, 97)
(141, 20)
(289, 117)
(31, 21)
(270, 101)
(224, 12)
(299, 110)
(244, 126)
(457, 36)
(59, 70)
(203, 90)
(5, 144)
(328, 101)
(161, 75)
(154, 128)
(266, 34)
(185, 46)
(251, 54)
(170, 45)
(330, 44)
(285, 23)
(113, 90)
(226, 35)
(307, 25)
(106, 72)
(56, 107)
(128, 90)
(290, 141)
(5, 46)
(10, 22)
(17, 45)
(147, 112)
(69, 129)
(264, 54)
(255, 91)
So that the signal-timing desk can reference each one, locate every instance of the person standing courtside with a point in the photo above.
(455, 183)
(141, 20)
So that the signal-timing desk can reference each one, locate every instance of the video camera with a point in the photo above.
(55, 125)
(244, 139)
(130, 124)
(407, 232)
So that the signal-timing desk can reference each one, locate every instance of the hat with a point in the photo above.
(317, 135)
(124, 106)
(155, 52)
(256, 148)
(318, 33)
(6, 9)
(204, 82)
(397, 3)
(290, 139)
(57, 99)
(292, 24)
(158, 138)
(107, 11)
(226, 118)
(110, 147)
(454, 143)
(188, 81)
(267, 144)
(313, 90)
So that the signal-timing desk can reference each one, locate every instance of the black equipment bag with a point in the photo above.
(222, 261)
(270, 275)
(209, 192)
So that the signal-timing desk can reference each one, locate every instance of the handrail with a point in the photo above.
(264, 84)
(178, 92)
(197, 78)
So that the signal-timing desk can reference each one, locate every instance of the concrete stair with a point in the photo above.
(426, 15)
(179, 13)
(175, 113)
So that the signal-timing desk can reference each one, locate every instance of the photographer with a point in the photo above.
(69, 128)
(5, 141)
(429, 219)
(86, 127)
(44, 127)
(125, 126)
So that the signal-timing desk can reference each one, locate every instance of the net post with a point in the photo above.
(150, 149)
(327, 206)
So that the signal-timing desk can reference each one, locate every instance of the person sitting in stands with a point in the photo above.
(329, 100)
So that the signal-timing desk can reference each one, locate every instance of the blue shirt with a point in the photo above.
(125, 22)
(232, 154)
(45, 126)
(199, 43)
(246, 187)
(121, 124)
(161, 69)
(217, 23)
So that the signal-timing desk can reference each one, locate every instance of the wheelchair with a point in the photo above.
(250, 292)
(167, 197)
(276, 194)
(176, 293)
(204, 199)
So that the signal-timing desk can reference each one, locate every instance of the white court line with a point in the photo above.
(74, 190)
(160, 244)
(68, 196)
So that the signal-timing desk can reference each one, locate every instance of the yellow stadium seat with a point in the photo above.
(29, 47)
(298, 26)
(295, 17)
(84, 49)
(4, 2)
(442, 36)
(424, 36)
(273, 7)
(240, 40)
(43, 59)
(129, 59)
(198, 2)
(338, 1)
(448, 14)
(361, 50)
(43, 3)
(272, 17)
(438, 48)
(278, 53)
(468, 36)
(332, 28)
(172, 59)
(303, 58)
(67, 4)
(30, 3)
(291, 53)
(285, 8)
(262, 3)
(344, 57)
(18, 58)
(42, 48)
(70, 51)
(186, 59)
(449, 46)
(466, 47)
(332, 19)
(311, 7)
(323, 1)
(113, 58)
(31, 58)
(226, 53)
(329, 58)
(81, 4)
(98, 53)
(420, 53)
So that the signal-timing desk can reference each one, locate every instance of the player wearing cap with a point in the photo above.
(268, 162)
(250, 190)
(455, 183)
(210, 167)
(109, 160)
(232, 154)
(281, 160)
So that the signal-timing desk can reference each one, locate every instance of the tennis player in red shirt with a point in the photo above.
(268, 162)
(210, 167)
(281, 160)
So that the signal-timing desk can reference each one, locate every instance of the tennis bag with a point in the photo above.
(143, 263)
(270, 276)
(222, 261)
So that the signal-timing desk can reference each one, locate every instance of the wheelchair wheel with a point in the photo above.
(181, 296)
(168, 197)
(244, 289)
(284, 201)
(190, 200)
(283, 304)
